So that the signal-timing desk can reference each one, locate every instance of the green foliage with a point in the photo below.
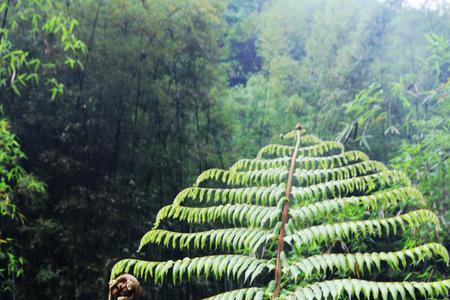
(19, 67)
(338, 217)
(367, 111)
(421, 131)
(424, 155)
(13, 181)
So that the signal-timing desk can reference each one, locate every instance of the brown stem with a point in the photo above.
(284, 217)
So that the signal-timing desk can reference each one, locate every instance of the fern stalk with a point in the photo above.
(284, 217)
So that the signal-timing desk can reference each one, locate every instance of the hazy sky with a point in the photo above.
(416, 2)
(431, 3)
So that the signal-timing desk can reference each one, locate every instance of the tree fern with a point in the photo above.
(315, 217)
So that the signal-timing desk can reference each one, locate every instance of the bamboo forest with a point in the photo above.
(225, 149)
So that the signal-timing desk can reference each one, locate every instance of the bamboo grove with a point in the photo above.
(349, 222)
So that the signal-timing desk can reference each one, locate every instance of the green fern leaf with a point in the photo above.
(336, 198)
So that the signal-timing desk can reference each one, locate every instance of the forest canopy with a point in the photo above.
(108, 109)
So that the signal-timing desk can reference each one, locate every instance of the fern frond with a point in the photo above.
(231, 266)
(349, 288)
(343, 231)
(277, 176)
(236, 239)
(218, 175)
(242, 214)
(318, 176)
(270, 195)
(304, 163)
(241, 294)
(260, 207)
(383, 199)
(346, 187)
(361, 262)
(305, 140)
(328, 147)
(249, 178)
